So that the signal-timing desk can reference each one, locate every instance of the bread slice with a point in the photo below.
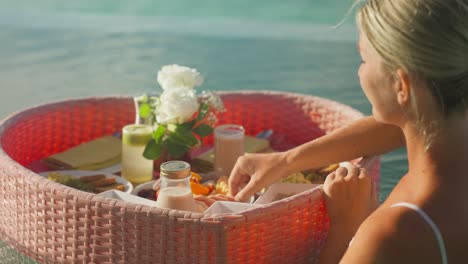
(115, 186)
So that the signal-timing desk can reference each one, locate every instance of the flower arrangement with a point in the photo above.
(180, 116)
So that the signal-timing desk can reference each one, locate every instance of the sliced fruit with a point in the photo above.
(210, 187)
(196, 176)
(198, 188)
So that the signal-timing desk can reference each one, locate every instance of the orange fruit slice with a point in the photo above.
(198, 188)
(196, 176)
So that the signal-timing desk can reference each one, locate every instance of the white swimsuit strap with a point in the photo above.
(436, 230)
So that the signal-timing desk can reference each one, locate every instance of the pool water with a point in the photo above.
(57, 49)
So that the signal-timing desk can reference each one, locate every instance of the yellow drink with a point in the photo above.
(136, 168)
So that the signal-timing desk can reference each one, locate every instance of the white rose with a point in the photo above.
(176, 105)
(176, 76)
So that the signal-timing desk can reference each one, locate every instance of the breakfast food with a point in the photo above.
(314, 176)
(94, 183)
(92, 178)
(103, 182)
(148, 194)
(69, 181)
(222, 185)
(196, 184)
(115, 186)
(198, 187)
(297, 177)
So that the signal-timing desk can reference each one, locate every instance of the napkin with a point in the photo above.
(227, 207)
(205, 161)
(93, 155)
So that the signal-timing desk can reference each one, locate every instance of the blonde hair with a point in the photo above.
(429, 40)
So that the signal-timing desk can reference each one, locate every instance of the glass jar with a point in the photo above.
(139, 101)
(175, 191)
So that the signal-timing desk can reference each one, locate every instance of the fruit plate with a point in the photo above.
(83, 173)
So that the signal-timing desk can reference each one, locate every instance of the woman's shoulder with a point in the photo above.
(394, 235)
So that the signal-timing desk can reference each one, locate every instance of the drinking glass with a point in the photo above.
(229, 146)
(136, 168)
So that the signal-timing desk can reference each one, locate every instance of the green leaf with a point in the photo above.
(175, 149)
(203, 130)
(152, 150)
(159, 133)
(184, 136)
(202, 111)
(144, 110)
(189, 124)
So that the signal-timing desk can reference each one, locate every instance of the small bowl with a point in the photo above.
(144, 186)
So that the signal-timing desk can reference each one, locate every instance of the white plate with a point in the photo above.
(81, 173)
(112, 169)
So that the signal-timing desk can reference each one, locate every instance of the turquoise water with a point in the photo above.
(59, 49)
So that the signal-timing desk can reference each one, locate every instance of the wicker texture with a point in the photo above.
(53, 223)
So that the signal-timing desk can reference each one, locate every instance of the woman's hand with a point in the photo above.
(211, 199)
(349, 198)
(256, 171)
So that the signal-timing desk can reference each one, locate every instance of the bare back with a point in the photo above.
(446, 207)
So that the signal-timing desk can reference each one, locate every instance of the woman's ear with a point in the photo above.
(402, 87)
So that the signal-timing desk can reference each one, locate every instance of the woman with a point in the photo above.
(414, 72)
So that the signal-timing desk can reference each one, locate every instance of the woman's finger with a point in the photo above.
(205, 200)
(341, 172)
(221, 197)
(328, 182)
(353, 172)
(331, 176)
(237, 178)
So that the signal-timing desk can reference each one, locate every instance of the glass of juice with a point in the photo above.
(136, 168)
(228, 147)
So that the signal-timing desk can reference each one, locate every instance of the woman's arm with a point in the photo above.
(365, 137)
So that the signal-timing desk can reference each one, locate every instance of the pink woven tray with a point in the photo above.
(53, 223)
